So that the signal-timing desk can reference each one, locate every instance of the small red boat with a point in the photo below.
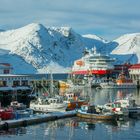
(6, 113)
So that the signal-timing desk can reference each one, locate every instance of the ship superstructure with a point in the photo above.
(93, 63)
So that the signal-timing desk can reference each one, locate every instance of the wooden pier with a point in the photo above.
(35, 119)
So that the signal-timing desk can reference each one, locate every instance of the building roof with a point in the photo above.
(14, 75)
(6, 64)
(135, 66)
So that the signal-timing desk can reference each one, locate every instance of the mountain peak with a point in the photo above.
(65, 31)
(32, 26)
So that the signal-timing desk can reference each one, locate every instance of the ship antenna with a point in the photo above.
(94, 49)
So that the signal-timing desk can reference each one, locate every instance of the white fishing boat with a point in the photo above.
(119, 107)
(48, 104)
(125, 107)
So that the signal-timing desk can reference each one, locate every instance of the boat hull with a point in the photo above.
(134, 110)
(6, 115)
(85, 72)
(48, 108)
(96, 116)
(116, 86)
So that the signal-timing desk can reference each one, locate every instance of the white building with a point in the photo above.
(134, 71)
(12, 82)
(9, 82)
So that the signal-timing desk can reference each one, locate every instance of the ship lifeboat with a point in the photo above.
(80, 63)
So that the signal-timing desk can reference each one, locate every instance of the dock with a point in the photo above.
(35, 119)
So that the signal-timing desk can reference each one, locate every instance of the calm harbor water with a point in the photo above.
(79, 129)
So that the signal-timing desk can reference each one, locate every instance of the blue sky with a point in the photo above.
(106, 18)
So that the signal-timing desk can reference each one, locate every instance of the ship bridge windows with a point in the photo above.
(99, 60)
(99, 57)
(99, 64)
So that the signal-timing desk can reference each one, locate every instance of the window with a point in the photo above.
(24, 83)
(6, 71)
(3, 83)
(16, 83)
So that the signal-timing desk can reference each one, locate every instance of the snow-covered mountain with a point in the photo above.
(35, 48)
(129, 44)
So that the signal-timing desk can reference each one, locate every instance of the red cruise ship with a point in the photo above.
(93, 63)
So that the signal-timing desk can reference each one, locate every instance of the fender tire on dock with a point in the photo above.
(24, 123)
(6, 126)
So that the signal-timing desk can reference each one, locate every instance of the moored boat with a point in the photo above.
(6, 113)
(48, 104)
(20, 110)
(118, 107)
(74, 101)
(123, 107)
(121, 83)
(91, 112)
(17, 106)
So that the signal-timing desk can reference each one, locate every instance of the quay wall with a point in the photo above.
(5, 125)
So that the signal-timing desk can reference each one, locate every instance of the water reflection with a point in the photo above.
(76, 128)
(102, 96)
(14, 131)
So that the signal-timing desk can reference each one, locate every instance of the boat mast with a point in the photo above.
(51, 83)
(94, 49)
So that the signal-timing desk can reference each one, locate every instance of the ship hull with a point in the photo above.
(86, 72)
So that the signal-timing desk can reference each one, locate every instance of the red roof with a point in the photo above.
(135, 66)
(5, 64)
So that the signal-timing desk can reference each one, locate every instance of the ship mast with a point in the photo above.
(94, 50)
